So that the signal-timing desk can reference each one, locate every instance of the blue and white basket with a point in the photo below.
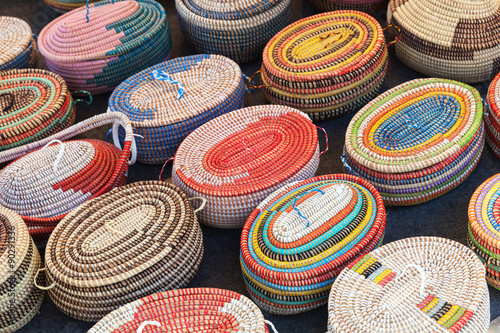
(17, 44)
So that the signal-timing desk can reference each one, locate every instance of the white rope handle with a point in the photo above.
(271, 325)
(204, 202)
(108, 226)
(422, 274)
(116, 142)
(41, 287)
(59, 155)
(146, 323)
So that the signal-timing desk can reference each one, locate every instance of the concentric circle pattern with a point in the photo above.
(367, 6)
(131, 242)
(450, 39)
(417, 141)
(187, 310)
(299, 238)
(35, 103)
(17, 45)
(238, 159)
(238, 29)
(212, 85)
(326, 65)
(492, 116)
(422, 284)
(119, 40)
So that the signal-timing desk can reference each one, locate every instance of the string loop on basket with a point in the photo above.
(12, 97)
(422, 274)
(41, 287)
(164, 76)
(204, 202)
(326, 139)
(251, 84)
(146, 323)
(163, 167)
(338, 34)
(486, 107)
(91, 99)
(268, 322)
(348, 167)
(116, 142)
(246, 77)
(398, 36)
(295, 202)
(59, 155)
(108, 226)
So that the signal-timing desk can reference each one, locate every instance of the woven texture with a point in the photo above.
(238, 159)
(326, 65)
(118, 41)
(451, 39)
(416, 141)
(17, 45)
(367, 6)
(35, 104)
(187, 310)
(47, 183)
(62, 6)
(136, 240)
(484, 229)
(299, 238)
(212, 85)
(422, 284)
(19, 264)
(238, 29)
(492, 116)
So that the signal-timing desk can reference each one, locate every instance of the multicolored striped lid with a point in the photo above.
(15, 39)
(492, 116)
(299, 238)
(421, 284)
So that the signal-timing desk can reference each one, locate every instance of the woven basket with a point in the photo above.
(367, 6)
(326, 65)
(416, 141)
(46, 184)
(492, 116)
(237, 159)
(62, 6)
(118, 41)
(20, 261)
(238, 29)
(422, 284)
(168, 101)
(136, 240)
(17, 45)
(35, 104)
(186, 310)
(451, 39)
(300, 237)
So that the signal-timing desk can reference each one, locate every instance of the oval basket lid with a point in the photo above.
(15, 36)
(229, 10)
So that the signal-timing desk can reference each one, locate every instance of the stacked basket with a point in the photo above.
(457, 40)
(492, 116)
(17, 45)
(367, 6)
(326, 65)
(116, 41)
(20, 262)
(299, 238)
(47, 183)
(236, 160)
(168, 101)
(414, 285)
(484, 227)
(238, 29)
(62, 6)
(35, 104)
(129, 243)
(416, 141)
(186, 310)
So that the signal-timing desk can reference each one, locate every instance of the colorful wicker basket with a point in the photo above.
(414, 285)
(367, 6)
(117, 41)
(492, 116)
(236, 160)
(416, 141)
(168, 101)
(300, 237)
(238, 29)
(35, 104)
(186, 310)
(484, 227)
(19, 265)
(457, 40)
(136, 240)
(326, 65)
(46, 184)
(62, 6)
(17, 44)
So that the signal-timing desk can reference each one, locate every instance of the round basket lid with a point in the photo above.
(15, 36)
(414, 125)
(246, 151)
(229, 10)
(176, 90)
(194, 309)
(423, 284)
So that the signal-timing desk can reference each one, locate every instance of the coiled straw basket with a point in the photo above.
(492, 116)
(17, 44)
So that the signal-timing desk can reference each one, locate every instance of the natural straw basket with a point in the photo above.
(118, 40)
(325, 65)
(46, 184)
(484, 231)
(457, 40)
(20, 261)
(416, 141)
(237, 159)
(420, 285)
(367, 6)
(299, 238)
(35, 104)
(168, 101)
(186, 310)
(136, 240)
(62, 6)
(492, 116)
(238, 29)
(17, 44)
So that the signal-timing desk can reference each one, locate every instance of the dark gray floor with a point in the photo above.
(445, 216)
